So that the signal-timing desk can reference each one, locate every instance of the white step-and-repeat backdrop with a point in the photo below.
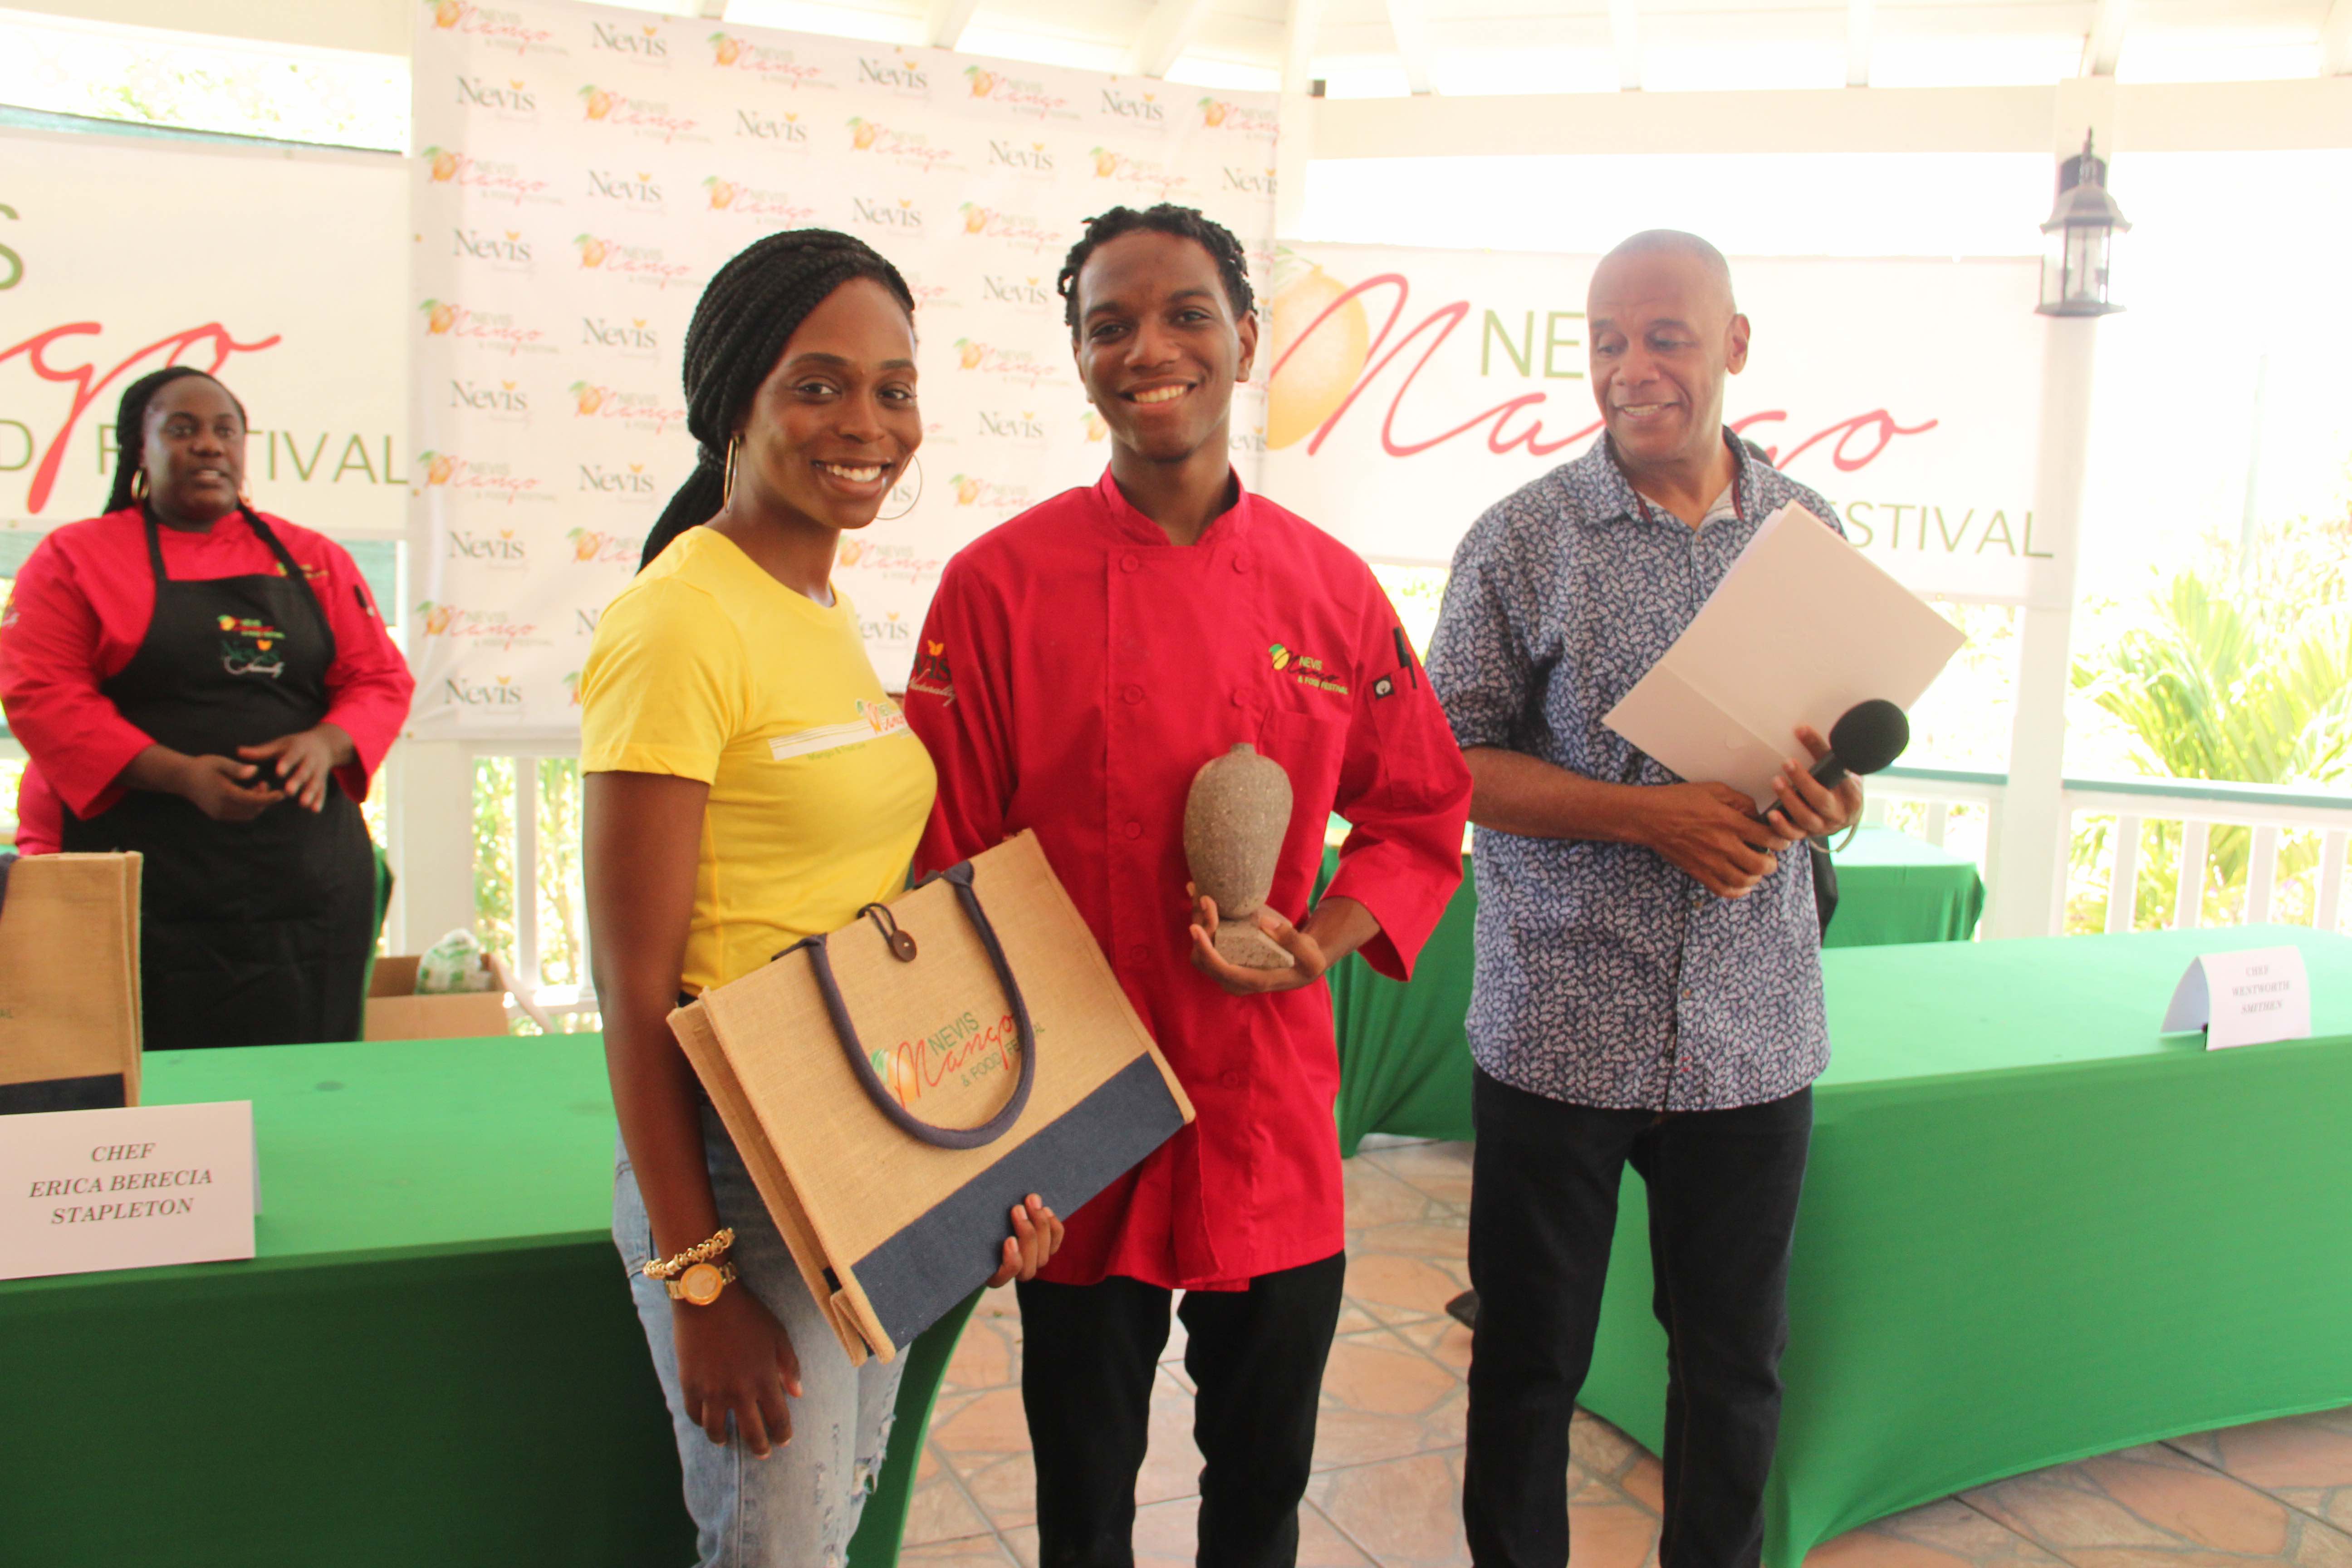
(580, 173)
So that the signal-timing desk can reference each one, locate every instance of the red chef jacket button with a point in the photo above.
(1129, 563)
(1233, 1079)
(1241, 697)
(1139, 953)
(1241, 563)
(1133, 694)
(1134, 830)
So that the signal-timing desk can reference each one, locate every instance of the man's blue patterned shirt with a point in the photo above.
(1607, 976)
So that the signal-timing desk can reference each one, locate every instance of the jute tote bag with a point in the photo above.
(896, 1086)
(68, 982)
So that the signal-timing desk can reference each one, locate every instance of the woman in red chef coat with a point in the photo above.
(212, 688)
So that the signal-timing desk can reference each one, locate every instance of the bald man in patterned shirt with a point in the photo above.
(1648, 985)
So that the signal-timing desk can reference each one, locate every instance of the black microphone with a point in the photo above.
(1868, 737)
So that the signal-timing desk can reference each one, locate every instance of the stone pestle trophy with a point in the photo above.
(1235, 818)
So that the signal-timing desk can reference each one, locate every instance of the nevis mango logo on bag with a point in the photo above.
(956, 1055)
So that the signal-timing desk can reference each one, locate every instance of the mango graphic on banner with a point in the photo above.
(967, 490)
(436, 618)
(1214, 112)
(438, 466)
(589, 398)
(1312, 378)
(592, 249)
(983, 82)
(444, 164)
(600, 102)
(1106, 162)
(969, 354)
(1096, 428)
(572, 688)
(722, 192)
(852, 551)
(438, 318)
(975, 218)
(447, 14)
(861, 132)
(728, 49)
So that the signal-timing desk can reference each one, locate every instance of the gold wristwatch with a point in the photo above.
(699, 1285)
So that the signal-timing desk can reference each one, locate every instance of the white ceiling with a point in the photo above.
(1457, 47)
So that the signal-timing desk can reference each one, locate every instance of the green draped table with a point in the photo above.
(2034, 1228)
(433, 1359)
(1404, 1062)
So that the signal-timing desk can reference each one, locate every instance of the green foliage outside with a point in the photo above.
(2242, 671)
(556, 884)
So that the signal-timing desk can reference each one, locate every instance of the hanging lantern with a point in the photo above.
(2082, 229)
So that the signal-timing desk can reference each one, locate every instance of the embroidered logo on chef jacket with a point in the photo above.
(250, 646)
(932, 676)
(1305, 669)
(874, 721)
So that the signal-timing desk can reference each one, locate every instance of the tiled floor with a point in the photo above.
(1387, 1454)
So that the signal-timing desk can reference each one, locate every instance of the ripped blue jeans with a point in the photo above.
(799, 1507)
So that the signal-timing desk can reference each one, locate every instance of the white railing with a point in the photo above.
(2269, 812)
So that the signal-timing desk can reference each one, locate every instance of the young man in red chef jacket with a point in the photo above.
(1079, 665)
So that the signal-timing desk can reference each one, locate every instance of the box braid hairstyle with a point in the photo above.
(131, 430)
(1184, 223)
(750, 309)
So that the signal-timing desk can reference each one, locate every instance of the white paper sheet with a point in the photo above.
(1802, 629)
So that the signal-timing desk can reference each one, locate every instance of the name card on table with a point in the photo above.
(88, 1190)
(2244, 998)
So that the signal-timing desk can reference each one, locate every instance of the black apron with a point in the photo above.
(251, 933)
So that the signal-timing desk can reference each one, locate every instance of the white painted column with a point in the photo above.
(1294, 144)
(432, 846)
(2028, 884)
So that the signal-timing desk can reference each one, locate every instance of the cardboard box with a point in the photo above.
(69, 1035)
(395, 1011)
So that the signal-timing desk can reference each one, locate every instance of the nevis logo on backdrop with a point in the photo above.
(635, 263)
(776, 67)
(629, 482)
(643, 43)
(1014, 231)
(782, 130)
(1021, 293)
(498, 30)
(910, 148)
(1148, 174)
(898, 73)
(505, 400)
(637, 191)
(999, 424)
(510, 99)
(900, 217)
(491, 329)
(486, 626)
(776, 208)
(1030, 160)
(500, 549)
(631, 338)
(502, 250)
(1248, 182)
(498, 692)
(1223, 114)
(596, 547)
(1016, 95)
(1131, 109)
(646, 411)
(491, 181)
(640, 116)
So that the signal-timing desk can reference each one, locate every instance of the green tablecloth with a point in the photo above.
(1404, 1062)
(2034, 1229)
(434, 1359)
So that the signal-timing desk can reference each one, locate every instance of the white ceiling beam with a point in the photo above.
(711, 10)
(2105, 47)
(943, 28)
(1858, 19)
(1167, 33)
(1410, 23)
(1625, 37)
(1299, 31)
(2336, 40)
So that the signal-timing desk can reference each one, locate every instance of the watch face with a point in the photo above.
(700, 1284)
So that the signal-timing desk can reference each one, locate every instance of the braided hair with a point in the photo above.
(748, 312)
(131, 427)
(1184, 223)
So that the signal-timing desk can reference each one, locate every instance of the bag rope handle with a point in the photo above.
(844, 1029)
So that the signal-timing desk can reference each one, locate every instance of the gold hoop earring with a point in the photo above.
(139, 484)
(915, 462)
(727, 491)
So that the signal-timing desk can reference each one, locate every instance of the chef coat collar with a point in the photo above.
(1227, 527)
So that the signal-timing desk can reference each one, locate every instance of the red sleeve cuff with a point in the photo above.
(1405, 890)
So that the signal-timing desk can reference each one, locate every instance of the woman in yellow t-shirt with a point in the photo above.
(749, 785)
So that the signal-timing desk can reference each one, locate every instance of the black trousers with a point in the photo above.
(1088, 1352)
(1723, 1189)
